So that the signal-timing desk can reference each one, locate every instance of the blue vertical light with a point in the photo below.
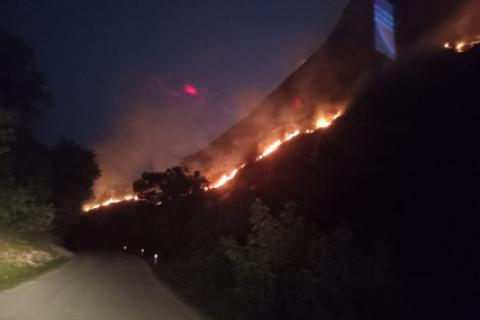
(385, 28)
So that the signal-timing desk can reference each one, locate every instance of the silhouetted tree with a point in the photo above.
(25, 202)
(74, 171)
(23, 87)
(171, 185)
(6, 131)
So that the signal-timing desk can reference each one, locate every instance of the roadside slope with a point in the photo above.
(24, 257)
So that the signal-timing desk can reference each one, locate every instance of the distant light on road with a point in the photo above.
(124, 247)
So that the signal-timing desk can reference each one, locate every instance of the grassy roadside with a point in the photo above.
(26, 257)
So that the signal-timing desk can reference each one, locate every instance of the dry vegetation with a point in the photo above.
(22, 258)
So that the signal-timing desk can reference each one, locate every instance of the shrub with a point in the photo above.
(287, 269)
(21, 210)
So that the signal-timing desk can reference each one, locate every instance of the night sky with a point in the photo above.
(104, 59)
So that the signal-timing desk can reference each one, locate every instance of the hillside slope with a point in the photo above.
(402, 163)
(328, 79)
(401, 166)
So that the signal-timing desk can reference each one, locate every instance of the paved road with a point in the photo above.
(91, 287)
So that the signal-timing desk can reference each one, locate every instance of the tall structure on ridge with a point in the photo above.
(384, 19)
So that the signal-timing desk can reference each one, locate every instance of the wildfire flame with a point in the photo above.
(322, 122)
(224, 179)
(106, 203)
(292, 135)
(270, 149)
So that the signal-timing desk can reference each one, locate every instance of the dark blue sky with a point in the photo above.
(102, 55)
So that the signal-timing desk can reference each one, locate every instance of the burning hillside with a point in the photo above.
(322, 122)
(316, 94)
(335, 73)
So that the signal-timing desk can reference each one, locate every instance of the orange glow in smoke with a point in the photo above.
(326, 121)
(322, 123)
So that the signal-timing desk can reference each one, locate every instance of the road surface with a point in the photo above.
(90, 287)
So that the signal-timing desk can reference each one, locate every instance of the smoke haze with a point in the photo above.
(168, 122)
(154, 133)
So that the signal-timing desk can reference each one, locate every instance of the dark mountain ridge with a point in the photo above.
(330, 77)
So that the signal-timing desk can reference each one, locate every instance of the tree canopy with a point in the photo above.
(74, 171)
(6, 131)
(24, 93)
(39, 185)
(170, 185)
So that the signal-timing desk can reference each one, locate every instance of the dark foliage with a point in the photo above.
(25, 204)
(23, 87)
(171, 185)
(385, 225)
(37, 184)
(74, 170)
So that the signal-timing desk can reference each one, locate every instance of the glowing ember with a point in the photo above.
(462, 45)
(127, 198)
